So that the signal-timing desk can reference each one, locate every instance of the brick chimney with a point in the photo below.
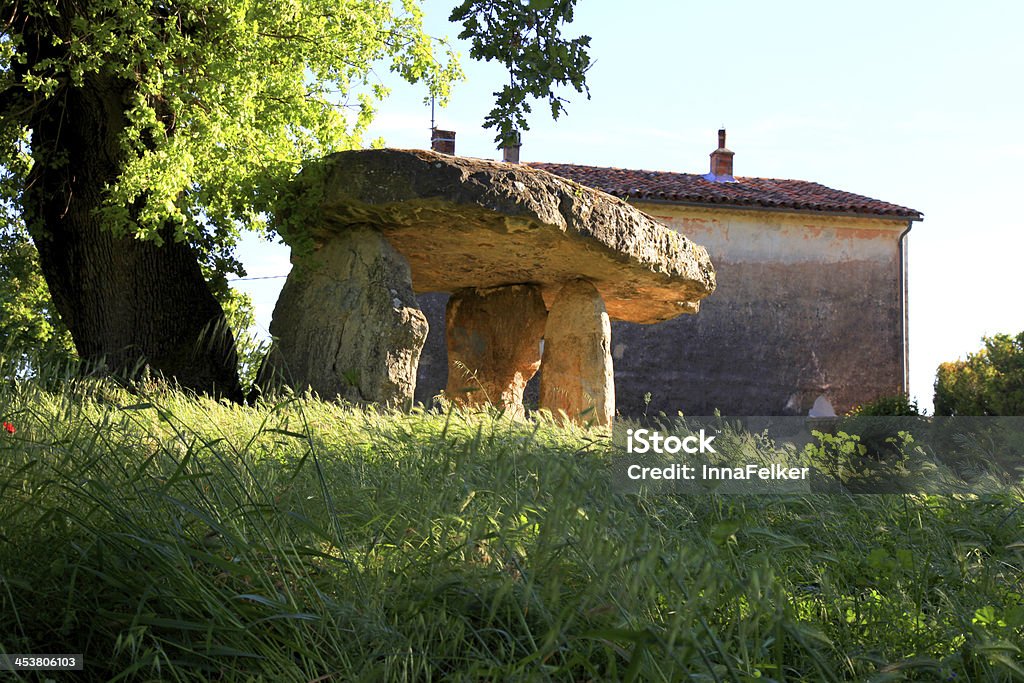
(721, 162)
(510, 150)
(442, 141)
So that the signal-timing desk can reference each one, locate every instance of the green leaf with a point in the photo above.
(725, 531)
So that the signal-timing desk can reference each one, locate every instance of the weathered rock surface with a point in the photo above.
(347, 324)
(468, 223)
(576, 375)
(493, 344)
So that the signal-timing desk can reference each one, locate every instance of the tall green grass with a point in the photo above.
(174, 538)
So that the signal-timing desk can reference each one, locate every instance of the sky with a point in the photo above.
(908, 102)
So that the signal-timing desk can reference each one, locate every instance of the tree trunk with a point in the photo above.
(127, 302)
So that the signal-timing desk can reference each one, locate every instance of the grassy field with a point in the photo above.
(178, 539)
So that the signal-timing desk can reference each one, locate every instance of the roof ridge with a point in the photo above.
(682, 173)
(746, 191)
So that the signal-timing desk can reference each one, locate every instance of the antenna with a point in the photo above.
(432, 126)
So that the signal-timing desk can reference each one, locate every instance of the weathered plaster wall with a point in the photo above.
(432, 375)
(805, 306)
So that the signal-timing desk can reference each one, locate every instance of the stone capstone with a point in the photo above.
(576, 374)
(494, 348)
(347, 324)
(468, 223)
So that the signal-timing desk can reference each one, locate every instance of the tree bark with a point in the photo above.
(128, 303)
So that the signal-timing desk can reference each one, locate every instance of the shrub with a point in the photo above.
(31, 332)
(898, 405)
(988, 382)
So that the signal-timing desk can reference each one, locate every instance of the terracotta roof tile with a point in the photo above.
(753, 193)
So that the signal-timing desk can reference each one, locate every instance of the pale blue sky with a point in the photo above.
(909, 102)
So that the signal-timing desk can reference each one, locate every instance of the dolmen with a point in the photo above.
(537, 266)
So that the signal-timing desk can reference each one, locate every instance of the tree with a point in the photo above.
(138, 137)
(988, 382)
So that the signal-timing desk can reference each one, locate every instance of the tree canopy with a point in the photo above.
(989, 382)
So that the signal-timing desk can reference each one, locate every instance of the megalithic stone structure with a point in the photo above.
(524, 252)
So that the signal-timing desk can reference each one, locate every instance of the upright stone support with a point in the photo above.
(576, 373)
(493, 344)
(347, 324)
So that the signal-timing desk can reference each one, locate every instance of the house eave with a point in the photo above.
(917, 217)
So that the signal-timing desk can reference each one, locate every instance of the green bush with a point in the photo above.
(29, 325)
(899, 405)
(989, 382)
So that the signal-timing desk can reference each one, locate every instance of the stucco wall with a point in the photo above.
(806, 306)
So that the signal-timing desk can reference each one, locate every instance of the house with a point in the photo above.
(810, 309)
